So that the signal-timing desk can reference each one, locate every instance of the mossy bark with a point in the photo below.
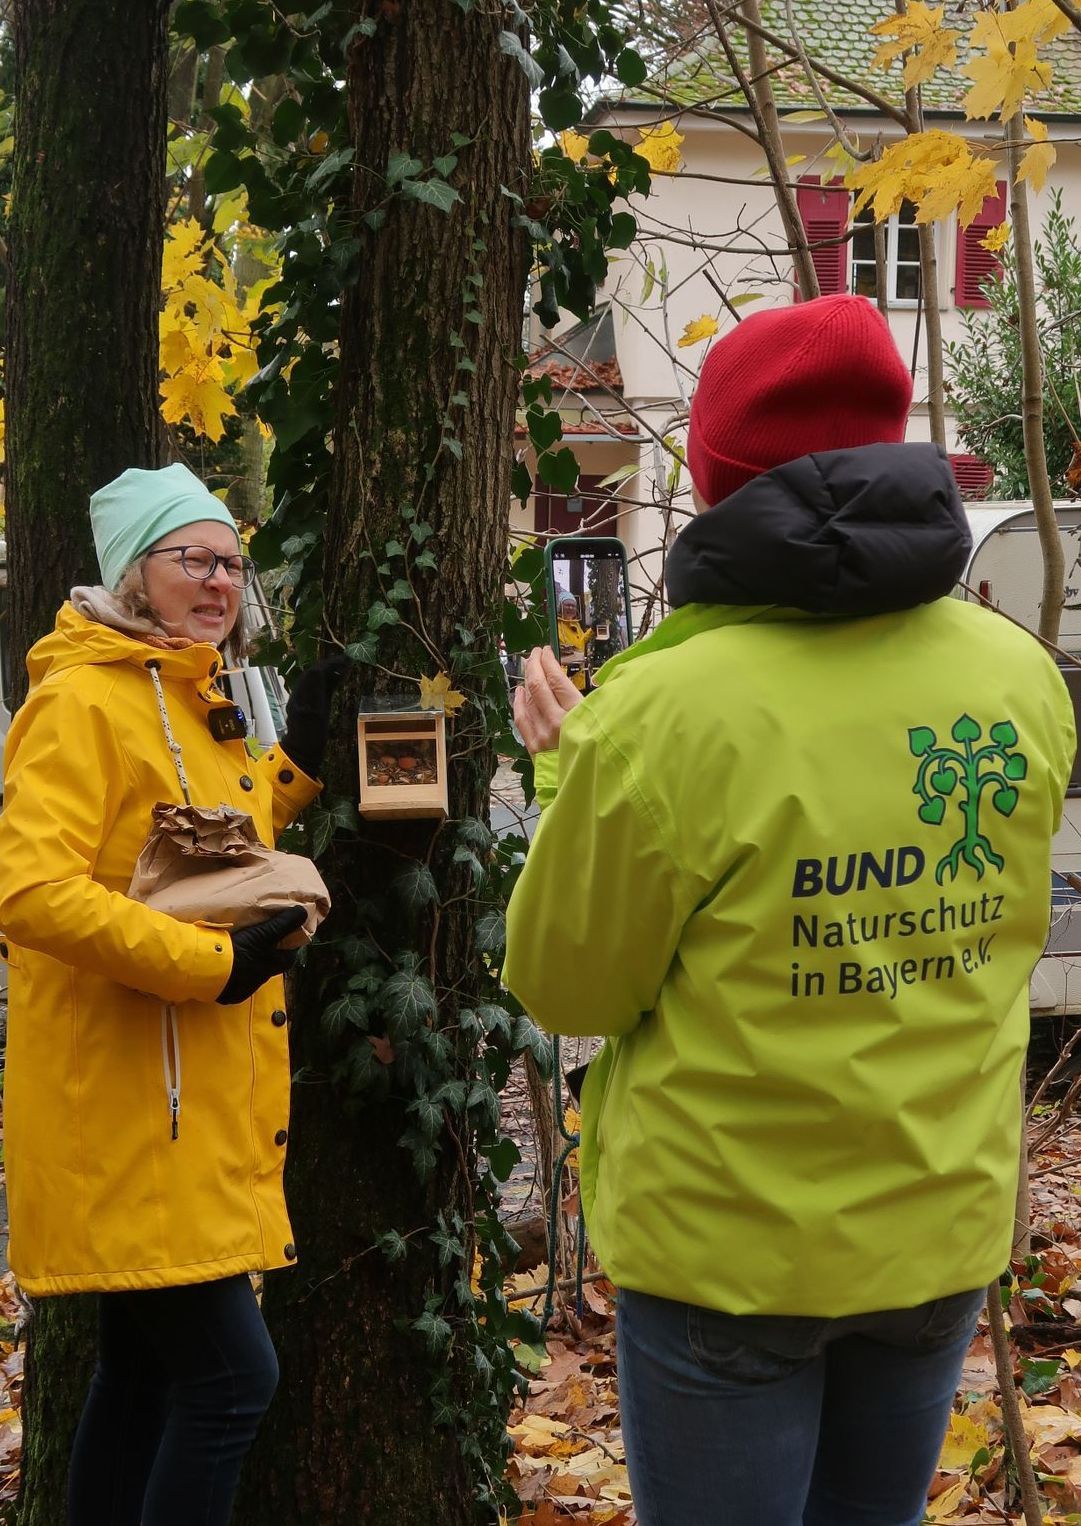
(81, 387)
(86, 230)
(351, 1434)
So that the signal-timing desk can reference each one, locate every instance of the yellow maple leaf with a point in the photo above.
(174, 350)
(1004, 75)
(921, 34)
(701, 328)
(573, 144)
(964, 1438)
(432, 690)
(1072, 1358)
(660, 146)
(997, 239)
(198, 399)
(1039, 157)
(1033, 20)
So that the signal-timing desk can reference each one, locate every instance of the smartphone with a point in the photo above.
(588, 592)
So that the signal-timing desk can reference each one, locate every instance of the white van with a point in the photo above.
(1006, 570)
(258, 691)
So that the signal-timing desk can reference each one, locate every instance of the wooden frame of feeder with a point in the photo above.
(394, 731)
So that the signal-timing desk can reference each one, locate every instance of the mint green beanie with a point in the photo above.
(130, 513)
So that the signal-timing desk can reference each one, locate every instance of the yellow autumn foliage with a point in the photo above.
(920, 33)
(997, 239)
(660, 146)
(699, 329)
(434, 690)
(935, 170)
(206, 350)
(1038, 159)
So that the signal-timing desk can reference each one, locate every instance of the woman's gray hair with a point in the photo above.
(132, 596)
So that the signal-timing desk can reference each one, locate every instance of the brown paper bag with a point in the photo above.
(208, 865)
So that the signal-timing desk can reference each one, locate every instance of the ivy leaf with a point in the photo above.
(329, 167)
(399, 590)
(379, 615)
(490, 932)
(402, 167)
(326, 821)
(429, 1116)
(473, 831)
(348, 1009)
(528, 1036)
(435, 1329)
(392, 1245)
(416, 887)
(435, 193)
(363, 650)
(510, 44)
(494, 1018)
(445, 164)
(408, 1001)
(464, 855)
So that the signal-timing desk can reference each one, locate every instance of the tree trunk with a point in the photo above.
(84, 284)
(81, 383)
(353, 1435)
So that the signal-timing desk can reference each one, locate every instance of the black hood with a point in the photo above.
(842, 532)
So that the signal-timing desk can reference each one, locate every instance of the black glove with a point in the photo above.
(307, 715)
(256, 955)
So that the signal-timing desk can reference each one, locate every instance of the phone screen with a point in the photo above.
(589, 597)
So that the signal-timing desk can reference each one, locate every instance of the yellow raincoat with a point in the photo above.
(101, 1196)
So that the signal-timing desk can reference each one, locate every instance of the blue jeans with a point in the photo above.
(759, 1420)
(184, 1377)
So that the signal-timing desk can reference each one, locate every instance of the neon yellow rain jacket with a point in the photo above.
(797, 869)
(101, 1196)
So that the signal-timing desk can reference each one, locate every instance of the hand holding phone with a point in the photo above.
(542, 700)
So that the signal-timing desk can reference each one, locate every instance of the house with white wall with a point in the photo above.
(710, 242)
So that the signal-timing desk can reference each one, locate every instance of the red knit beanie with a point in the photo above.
(819, 375)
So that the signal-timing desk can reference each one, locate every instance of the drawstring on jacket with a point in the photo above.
(170, 1028)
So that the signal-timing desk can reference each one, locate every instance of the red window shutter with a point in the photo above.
(976, 265)
(974, 475)
(824, 210)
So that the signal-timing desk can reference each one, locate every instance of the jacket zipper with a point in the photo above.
(170, 1062)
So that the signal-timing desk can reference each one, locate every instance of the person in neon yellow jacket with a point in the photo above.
(809, 819)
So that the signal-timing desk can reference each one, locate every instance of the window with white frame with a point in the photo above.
(902, 257)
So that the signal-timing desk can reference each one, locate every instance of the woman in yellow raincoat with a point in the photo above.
(144, 1155)
(573, 639)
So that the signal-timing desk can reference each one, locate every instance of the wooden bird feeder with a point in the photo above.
(403, 758)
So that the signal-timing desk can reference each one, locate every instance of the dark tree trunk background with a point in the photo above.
(351, 1435)
(87, 215)
(86, 231)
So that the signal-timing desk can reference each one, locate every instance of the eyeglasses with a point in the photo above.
(200, 562)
